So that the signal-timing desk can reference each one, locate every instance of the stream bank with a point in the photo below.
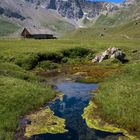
(76, 98)
(70, 75)
(93, 120)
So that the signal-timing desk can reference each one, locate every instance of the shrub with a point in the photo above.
(48, 65)
(12, 70)
(76, 52)
(30, 60)
(27, 61)
(52, 56)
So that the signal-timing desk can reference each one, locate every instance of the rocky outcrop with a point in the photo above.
(94, 9)
(129, 3)
(11, 14)
(114, 53)
(75, 9)
(66, 8)
(72, 9)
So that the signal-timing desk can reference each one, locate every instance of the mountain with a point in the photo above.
(74, 9)
(30, 14)
(62, 16)
(58, 16)
(122, 23)
(128, 11)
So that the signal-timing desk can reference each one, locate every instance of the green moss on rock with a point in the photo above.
(94, 121)
(44, 121)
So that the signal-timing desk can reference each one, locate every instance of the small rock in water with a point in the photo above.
(68, 79)
(80, 74)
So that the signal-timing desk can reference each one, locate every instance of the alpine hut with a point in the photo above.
(36, 34)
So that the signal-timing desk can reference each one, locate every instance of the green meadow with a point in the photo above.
(7, 27)
(22, 91)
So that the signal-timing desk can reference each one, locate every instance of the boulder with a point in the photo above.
(96, 59)
(109, 53)
(113, 50)
(119, 55)
(99, 58)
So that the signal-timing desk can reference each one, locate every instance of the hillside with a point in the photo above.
(61, 16)
(128, 11)
(127, 31)
(7, 27)
(28, 14)
(56, 15)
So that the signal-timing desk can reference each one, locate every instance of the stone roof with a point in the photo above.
(38, 31)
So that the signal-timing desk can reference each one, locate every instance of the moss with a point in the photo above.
(95, 73)
(94, 121)
(44, 121)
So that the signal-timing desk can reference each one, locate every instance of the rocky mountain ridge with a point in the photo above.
(70, 9)
(55, 14)
(75, 9)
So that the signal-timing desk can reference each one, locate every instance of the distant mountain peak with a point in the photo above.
(129, 2)
(57, 14)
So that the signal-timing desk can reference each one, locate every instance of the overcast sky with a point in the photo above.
(116, 1)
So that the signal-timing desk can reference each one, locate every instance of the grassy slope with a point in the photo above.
(128, 31)
(59, 26)
(121, 16)
(7, 27)
(118, 98)
(56, 23)
(20, 92)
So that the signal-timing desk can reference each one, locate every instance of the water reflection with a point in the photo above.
(76, 98)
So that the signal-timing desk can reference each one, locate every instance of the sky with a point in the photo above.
(116, 1)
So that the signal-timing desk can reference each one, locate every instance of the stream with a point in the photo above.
(76, 98)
